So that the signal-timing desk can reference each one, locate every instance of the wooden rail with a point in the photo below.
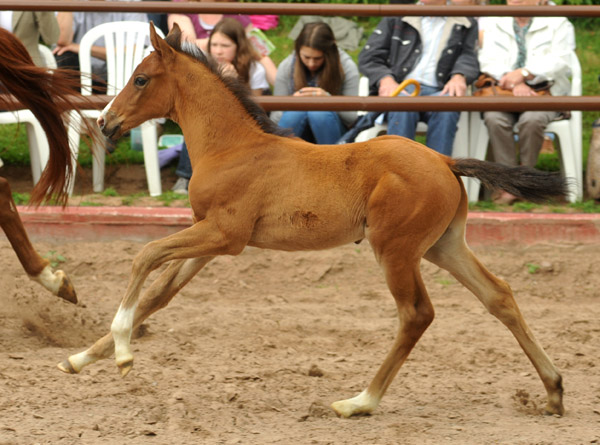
(300, 8)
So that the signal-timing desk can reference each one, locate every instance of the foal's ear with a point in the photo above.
(160, 46)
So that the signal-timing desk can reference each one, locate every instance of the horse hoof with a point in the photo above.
(363, 404)
(66, 367)
(66, 290)
(554, 410)
(125, 367)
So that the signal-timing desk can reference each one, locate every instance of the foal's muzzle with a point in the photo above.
(109, 124)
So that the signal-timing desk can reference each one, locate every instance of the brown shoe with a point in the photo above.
(505, 198)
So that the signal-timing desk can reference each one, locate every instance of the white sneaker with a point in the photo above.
(181, 186)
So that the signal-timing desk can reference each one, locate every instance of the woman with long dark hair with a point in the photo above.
(317, 67)
(229, 45)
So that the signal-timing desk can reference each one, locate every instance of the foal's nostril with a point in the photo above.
(100, 122)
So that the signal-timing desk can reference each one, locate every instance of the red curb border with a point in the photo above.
(150, 223)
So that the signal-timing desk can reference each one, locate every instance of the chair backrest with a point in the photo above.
(125, 43)
(47, 56)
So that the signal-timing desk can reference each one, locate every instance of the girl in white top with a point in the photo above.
(229, 45)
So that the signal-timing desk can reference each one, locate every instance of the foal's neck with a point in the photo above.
(209, 114)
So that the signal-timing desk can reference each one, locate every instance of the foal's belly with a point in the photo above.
(305, 231)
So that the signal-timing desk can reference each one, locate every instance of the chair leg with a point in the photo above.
(150, 145)
(568, 159)
(478, 145)
(74, 129)
(98, 162)
(38, 149)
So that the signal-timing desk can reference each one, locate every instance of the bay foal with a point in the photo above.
(47, 94)
(253, 187)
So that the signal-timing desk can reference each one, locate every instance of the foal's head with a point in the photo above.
(147, 95)
(151, 92)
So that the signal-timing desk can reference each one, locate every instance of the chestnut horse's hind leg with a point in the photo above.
(452, 254)
(36, 267)
(158, 295)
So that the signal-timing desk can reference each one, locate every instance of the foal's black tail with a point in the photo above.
(525, 182)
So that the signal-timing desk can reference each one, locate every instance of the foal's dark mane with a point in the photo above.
(239, 89)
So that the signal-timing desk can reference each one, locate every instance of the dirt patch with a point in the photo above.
(256, 347)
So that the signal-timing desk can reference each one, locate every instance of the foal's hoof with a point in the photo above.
(554, 409)
(362, 404)
(66, 367)
(125, 367)
(66, 290)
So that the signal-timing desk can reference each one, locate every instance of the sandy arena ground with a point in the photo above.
(255, 349)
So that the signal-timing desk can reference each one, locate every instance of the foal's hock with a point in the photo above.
(253, 187)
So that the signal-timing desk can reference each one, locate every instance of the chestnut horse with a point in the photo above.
(253, 187)
(46, 93)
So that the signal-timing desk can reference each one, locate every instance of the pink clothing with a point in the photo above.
(202, 31)
(264, 22)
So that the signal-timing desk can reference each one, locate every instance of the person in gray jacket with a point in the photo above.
(439, 52)
(317, 67)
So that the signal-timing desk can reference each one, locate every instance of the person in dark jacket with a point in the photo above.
(439, 52)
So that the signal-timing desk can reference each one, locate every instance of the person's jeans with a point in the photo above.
(441, 125)
(326, 126)
(184, 166)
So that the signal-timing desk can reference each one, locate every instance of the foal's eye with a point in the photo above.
(140, 81)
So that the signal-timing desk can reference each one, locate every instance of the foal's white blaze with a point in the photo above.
(121, 329)
(364, 403)
(49, 279)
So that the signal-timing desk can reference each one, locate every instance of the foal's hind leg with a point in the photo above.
(158, 295)
(452, 254)
(36, 267)
(416, 314)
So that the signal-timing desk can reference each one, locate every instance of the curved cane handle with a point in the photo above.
(404, 84)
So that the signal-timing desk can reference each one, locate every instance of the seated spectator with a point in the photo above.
(197, 28)
(29, 27)
(439, 52)
(519, 52)
(317, 67)
(230, 47)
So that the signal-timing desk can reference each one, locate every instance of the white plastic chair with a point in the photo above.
(567, 132)
(39, 150)
(125, 44)
(460, 147)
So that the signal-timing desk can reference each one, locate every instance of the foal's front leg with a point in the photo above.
(37, 268)
(158, 295)
(205, 238)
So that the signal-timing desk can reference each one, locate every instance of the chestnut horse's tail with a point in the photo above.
(46, 93)
(525, 182)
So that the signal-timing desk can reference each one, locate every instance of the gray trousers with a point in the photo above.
(529, 125)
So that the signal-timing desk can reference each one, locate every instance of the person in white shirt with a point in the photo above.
(520, 52)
